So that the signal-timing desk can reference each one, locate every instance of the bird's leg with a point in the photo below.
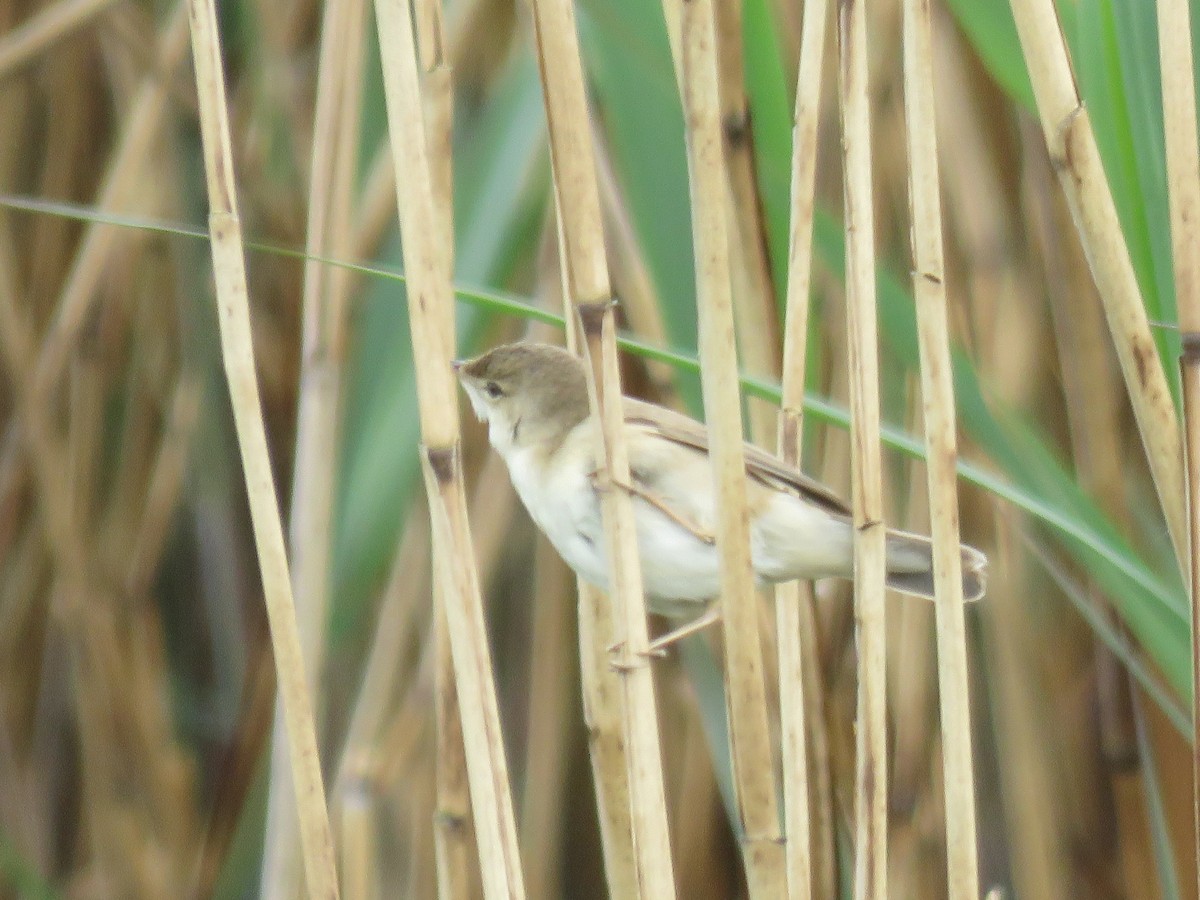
(709, 616)
(599, 477)
(658, 646)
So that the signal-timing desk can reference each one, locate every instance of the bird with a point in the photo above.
(534, 399)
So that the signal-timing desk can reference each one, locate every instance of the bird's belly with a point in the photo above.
(679, 570)
(677, 567)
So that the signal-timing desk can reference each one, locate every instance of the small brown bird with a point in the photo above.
(535, 401)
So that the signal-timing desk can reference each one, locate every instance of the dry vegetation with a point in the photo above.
(473, 733)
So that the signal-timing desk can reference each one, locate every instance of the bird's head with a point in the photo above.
(527, 393)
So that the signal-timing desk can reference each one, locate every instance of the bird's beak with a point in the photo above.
(457, 364)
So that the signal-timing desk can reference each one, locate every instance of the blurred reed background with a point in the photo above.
(136, 671)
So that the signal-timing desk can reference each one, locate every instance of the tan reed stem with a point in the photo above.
(1072, 146)
(603, 715)
(238, 354)
(42, 31)
(1183, 182)
(428, 267)
(801, 713)
(870, 779)
(452, 842)
(937, 391)
(358, 847)
(589, 294)
(124, 174)
(756, 312)
(750, 744)
(451, 838)
(330, 194)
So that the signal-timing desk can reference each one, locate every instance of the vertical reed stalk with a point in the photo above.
(750, 747)
(451, 838)
(552, 722)
(238, 354)
(941, 443)
(22, 45)
(757, 317)
(1183, 180)
(358, 850)
(589, 292)
(330, 194)
(428, 267)
(801, 713)
(99, 242)
(870, 779)
(1072, 146)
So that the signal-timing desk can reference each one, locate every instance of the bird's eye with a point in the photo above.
(493, 390)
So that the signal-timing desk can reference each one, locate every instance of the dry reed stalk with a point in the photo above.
(630, 274)
(376, 203)
(551, 720)
(870, 780)
(789, 601)
(491, 801)
(358, 848)
(749, 735)
(602, 689)
(702, 835)
(402, 629)
(330, 193)
(758, 329)
(238, 356)
(40, 32)
(1183, 182)
(937, 391)
(1026, 777)
(428, 267)
(758, 326)
(801, 713)
(96, 651)
(588, 294)
(978, 199)
(397, 627)
(163, 486)
(1091, 391)
(452, 845)
(1072, 146)
(98, 244)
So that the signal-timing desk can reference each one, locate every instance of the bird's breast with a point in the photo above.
(560, 500)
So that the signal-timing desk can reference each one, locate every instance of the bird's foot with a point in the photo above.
(622, 662)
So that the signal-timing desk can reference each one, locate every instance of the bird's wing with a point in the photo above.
(760, 465)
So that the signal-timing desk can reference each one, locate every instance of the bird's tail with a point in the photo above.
(910, 567)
